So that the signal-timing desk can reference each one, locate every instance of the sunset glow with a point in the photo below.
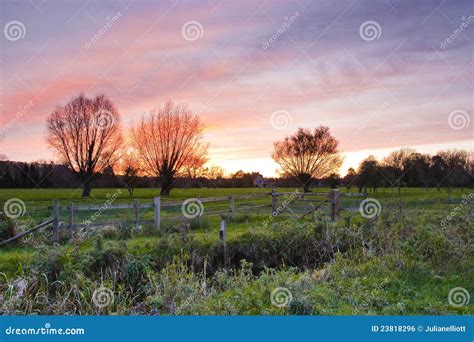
(242, 62)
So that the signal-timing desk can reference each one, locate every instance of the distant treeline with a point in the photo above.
(403, 168)
(408, 168)
(15, 174)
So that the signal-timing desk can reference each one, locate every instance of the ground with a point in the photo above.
(403, 261)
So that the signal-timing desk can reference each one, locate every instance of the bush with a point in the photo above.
(7, 227)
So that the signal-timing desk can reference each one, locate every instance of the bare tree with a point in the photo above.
(130, 169)
(86, 134)
(166, 140)
(456, 167)
(397, 163)
(307, 155)
(214, 172)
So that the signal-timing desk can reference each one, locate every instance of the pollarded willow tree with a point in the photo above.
(87, 136)
(168, 140)
(308, 155)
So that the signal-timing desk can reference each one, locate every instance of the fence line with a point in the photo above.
(26, 232)
(333, 197)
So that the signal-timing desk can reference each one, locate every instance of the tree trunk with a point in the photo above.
(166, 184)
(304, 179)
(86, 189)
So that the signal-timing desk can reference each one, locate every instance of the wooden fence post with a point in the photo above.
(200, 213)
(274, 202)
(55, 222)
(71, 221)
(223, 230)
(335, 197)
(136, 205)
(232, 206)
(223, 237)
(157, 211)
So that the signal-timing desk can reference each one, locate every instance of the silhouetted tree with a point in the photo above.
(86, 135)
(129, 168)
(456, 165)
(307, 155)
(166, 140)
(397, 165)
(369, 174)
(350, 178)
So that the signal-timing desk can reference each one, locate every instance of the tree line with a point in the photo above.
(408, 168)
(166, 149)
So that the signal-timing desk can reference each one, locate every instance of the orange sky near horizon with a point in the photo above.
(251, 82)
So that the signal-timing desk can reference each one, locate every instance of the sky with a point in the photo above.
(380, 74)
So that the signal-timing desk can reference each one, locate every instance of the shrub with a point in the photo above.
(7, 227)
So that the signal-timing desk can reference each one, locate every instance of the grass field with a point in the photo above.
(38, 202)
(403, 261)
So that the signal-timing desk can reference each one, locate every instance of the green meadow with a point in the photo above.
(404, 260)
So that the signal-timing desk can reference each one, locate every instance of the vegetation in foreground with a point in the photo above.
(402, 262)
